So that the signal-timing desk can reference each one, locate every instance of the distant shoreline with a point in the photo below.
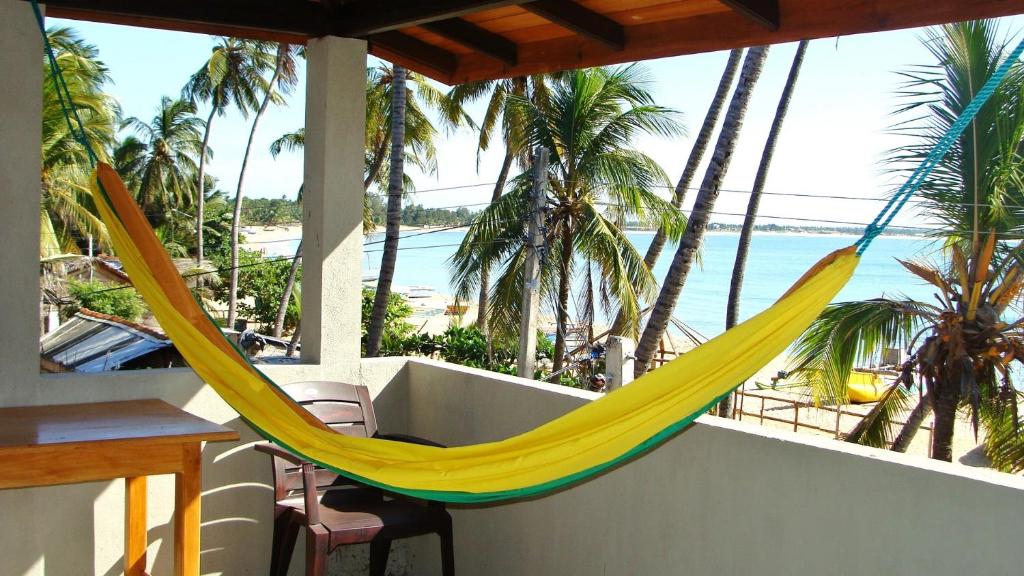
(259, 236)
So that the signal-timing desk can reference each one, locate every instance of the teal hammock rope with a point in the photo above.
(876, 227)
(67, 104)
(913, 183)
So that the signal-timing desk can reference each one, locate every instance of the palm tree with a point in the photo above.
(160, 164)
(395, 187)
(410, 135)
(499, 110)
(67, 213)
(596, 183)
(420, 132)
(701, 213)
(961, 345)
(290, 141)
(700, 145)
(732, 309)
(234, 74)
(281, 82)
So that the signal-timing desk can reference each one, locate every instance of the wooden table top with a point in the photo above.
(131, 420)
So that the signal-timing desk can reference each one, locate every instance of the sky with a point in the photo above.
(834, 138)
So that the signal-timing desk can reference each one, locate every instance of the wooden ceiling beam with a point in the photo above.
(580, 20)
(413, 52)
(476, 38)
(365, 17)
(300, 17)
(763, 12)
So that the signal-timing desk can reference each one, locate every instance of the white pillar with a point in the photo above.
(619, 362)
(333, 205)
(21, 65)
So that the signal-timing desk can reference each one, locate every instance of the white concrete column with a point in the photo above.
(333, 205)
(21, 65)
(619, 362)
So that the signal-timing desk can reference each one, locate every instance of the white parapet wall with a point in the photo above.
(722, 497)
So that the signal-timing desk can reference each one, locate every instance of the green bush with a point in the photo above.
(121, 301)
(396, 329)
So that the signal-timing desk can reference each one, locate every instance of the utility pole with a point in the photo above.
(90, 258)
(531, 278)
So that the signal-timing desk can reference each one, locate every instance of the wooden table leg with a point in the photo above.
(135, 526)
(187, 484)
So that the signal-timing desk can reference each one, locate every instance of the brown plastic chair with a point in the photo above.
(334, 510)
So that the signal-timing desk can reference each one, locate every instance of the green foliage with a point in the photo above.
(270, 211)
(67, 212)
(417, 215)
(471, 347)
(396, 329)
(123, 302)
(264, 281)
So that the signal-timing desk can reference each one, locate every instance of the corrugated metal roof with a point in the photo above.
(98, 343)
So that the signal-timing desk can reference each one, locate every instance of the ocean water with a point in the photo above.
(774, 263)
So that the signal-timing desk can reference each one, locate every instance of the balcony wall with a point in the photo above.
(722, 497)
(79, 529)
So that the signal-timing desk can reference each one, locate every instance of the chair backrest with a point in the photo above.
(344, 407)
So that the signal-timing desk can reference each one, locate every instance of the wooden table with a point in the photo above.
(47, 445)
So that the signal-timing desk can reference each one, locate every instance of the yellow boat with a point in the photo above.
(865, 386)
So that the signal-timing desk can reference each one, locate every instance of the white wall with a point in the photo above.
(722, 497)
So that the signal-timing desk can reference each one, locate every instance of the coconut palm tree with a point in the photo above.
(67, 214)
(410, 134)
(732, 309)
(961, 346)
(396, 180)
(159, 164)
(498, 111)
(280, 83)
(596, 183)
(701, 213)
(233, 74)
(700, 145)
(420, 132)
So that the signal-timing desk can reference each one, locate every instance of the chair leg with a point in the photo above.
(286, 532)
(316, 550)
(447, 550)
(379, 551)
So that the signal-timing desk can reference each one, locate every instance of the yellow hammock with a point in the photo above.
(581, 443)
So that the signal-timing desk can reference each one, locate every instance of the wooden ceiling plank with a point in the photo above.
(365, 17)
(764, 12)
(296, 17)
(580, 20)
(476, 38)
(415, 50)
(726, 29)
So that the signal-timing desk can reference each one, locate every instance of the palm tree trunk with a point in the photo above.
(701, 214)
(485, 271)
(282, 307)
(200, 188)
(914, 420)
(700, 145)
(236, 219)
(562, 314)
(394, 220)
(294, 342)
(732, 310)
(946, 401)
